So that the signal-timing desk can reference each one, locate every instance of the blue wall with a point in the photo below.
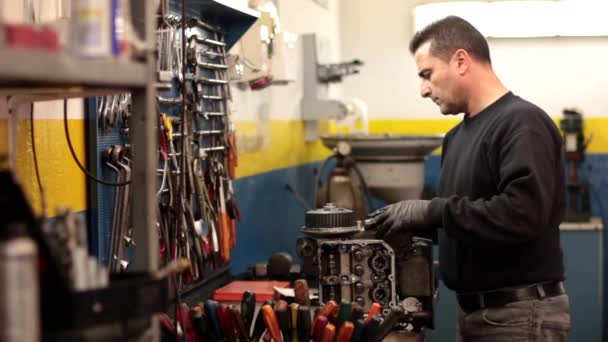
(271, 217)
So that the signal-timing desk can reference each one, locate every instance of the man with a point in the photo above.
(500, 195)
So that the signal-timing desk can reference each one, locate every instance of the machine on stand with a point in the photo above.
(349, 265)
(579, 207)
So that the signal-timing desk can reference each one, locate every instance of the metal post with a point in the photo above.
(144, 150)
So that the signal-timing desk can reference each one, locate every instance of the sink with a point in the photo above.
(392, 165)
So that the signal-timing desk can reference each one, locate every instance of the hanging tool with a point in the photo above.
(225, 235)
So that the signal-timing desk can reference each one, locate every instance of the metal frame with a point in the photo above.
(61, 76)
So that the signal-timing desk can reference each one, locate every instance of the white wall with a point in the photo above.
(282, 102)
(552, 72)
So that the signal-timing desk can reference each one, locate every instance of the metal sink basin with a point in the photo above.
(391, 164)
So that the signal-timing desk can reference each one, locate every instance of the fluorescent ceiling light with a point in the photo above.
(523, 18)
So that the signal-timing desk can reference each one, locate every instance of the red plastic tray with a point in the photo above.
(233, 292)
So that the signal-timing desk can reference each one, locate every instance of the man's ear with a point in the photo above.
(462, 61)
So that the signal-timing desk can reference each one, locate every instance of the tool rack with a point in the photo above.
(27, 76)
(43, 76)
(233, 22)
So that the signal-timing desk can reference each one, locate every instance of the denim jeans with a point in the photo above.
(546, 320)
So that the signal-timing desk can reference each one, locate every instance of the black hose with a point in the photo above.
(82, 168)
(364, 185)
(318, 182)
(42, 195)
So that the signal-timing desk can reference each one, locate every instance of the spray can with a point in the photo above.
(19, 293)
(92, 30)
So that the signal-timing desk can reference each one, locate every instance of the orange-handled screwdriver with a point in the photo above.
(328, 308)
(270, 319)
(329, 334)
(373, 311)
(346, 332)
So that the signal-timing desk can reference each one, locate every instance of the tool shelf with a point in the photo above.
(27, 76)
(235, 20)
(31, 70)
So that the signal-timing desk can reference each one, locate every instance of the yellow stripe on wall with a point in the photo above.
(277, 146)
(597, 130)
(63, 182)
(280, 143)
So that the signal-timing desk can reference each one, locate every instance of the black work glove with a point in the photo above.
(398, 217)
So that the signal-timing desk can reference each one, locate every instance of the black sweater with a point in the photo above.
(501, 199)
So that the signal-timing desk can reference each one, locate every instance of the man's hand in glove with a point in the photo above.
(398, 217)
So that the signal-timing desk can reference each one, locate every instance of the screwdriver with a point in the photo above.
(389, 322)
(318, 328)
(211, 312)
(271, 322)
(370, 329)
(200, 322)
(329, 333)
(373, 311)
(328, 308)
(281, 304)
(293, 307)
(343, 313)
(356, 312)
(225, 318)
(284, 319)
(303, 323)
(302, 293)
(259, 326)
(345, 332)
(248, 309)
(359, 324)
(237, 321)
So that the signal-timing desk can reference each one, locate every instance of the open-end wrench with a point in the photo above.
(107, 113)
(112, 155)
(122, 163)
(115, 110)
(107, 160)
(101, 112)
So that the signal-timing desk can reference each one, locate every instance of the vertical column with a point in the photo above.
(144, 147)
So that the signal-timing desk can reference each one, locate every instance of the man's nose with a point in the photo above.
(425, 90)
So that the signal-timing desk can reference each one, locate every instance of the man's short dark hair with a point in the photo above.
(450, 34)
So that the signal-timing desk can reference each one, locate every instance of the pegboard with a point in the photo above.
(101, 197)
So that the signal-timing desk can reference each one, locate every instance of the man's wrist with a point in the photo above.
(435, 211)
